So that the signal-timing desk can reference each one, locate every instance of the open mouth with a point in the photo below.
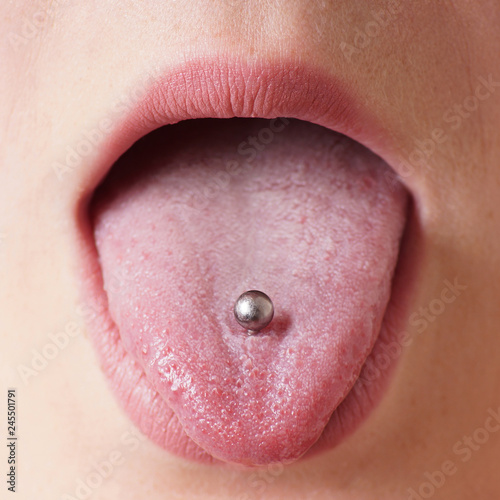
(195, 212)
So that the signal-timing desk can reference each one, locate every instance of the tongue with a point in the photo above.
(196, 213)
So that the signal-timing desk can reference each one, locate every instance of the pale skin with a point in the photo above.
(62, 76)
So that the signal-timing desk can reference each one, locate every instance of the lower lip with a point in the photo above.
(334, 109)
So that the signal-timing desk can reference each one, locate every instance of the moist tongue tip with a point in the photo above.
(259, 445)
(308, 218)
(251, 428)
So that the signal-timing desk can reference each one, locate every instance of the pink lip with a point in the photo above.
(220, 88)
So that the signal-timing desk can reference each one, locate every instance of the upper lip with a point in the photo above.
(226, 88)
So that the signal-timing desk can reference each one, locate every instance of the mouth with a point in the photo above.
(229, 176)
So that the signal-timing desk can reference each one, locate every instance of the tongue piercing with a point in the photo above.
(253, 310)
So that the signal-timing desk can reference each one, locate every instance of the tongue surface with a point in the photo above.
(185, 223)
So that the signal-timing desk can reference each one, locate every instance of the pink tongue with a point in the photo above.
(185, 223)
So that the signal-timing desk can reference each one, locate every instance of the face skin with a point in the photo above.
(66, 63)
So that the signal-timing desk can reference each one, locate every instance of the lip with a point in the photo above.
(226, 88)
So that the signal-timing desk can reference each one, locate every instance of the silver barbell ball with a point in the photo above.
(253, 310)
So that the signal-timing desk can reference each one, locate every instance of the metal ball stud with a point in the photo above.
(253, 310)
